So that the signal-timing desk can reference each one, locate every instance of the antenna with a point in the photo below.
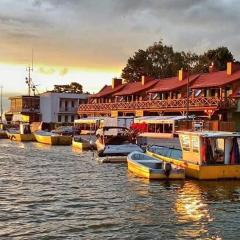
(29, 79)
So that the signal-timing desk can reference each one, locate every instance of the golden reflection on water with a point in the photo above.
(42, 146)
(190, 207)
(77, 150)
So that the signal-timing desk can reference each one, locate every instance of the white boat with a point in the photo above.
(145, 166)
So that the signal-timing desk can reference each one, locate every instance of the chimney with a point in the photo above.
(146, 79)
(116, 82)
(232, 67)
(182, 74)
(212, 68)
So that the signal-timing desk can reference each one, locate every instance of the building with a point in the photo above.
(60, 107)
(24, 108)
(214, 95)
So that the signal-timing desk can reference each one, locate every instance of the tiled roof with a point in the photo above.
(215, 79)
(135, 87)
(172, 83)
(107, 90)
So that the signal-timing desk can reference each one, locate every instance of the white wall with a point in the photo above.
(50, 104)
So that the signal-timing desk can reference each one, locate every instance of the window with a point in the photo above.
(185, 140)
(59, 118)
(66, 118)
(72, 118)
(195, 144)
(73, 105)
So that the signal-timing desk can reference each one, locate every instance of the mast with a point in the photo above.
(29, 79)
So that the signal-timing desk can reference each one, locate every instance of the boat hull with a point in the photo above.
(203, 172)
(54, 140)
(21, 137)
(82, 145)
(153, 170)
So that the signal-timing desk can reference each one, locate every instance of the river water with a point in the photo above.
(57, 193)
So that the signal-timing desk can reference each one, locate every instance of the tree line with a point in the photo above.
(161, 61)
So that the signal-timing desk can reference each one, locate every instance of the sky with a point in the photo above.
(89, 41)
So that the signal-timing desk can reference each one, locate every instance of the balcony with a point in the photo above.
(169, 105)
(68, 110)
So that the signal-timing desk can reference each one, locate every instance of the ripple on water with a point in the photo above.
(55, 193)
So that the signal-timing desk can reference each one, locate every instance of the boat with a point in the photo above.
(23, 134)
(146, 166)
(158, 126)
(82, 144)
(52, 138)
(16, 136)
(206, 155)
(115, 143)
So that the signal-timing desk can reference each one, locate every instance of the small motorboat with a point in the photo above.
(145, 166)
(82, 144)
(22, 135)
(52, 138)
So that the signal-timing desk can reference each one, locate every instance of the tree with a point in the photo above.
(137, 66)
(73, 87)
(161, 61)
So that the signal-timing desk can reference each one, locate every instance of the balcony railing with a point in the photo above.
(68, 110)
(25, 110)
(196, 104)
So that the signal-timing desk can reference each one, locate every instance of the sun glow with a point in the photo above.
(12, 77)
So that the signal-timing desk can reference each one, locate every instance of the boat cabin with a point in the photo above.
(159, 126)
(210, 148)
(89, 125)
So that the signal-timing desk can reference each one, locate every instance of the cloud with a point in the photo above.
(103, 34)
(63, 72)
(46, 71)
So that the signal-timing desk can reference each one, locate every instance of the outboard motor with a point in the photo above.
(100, 153)
(167, 169)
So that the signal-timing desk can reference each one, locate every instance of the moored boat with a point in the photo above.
(82, 144)
(205, 155)
(146, 166)
(16, 136)
(52, 138)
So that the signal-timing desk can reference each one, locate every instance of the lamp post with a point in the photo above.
(187, 107)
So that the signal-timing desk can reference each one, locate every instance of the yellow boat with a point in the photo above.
(205, 155)
(145, 166)
(82, 144)
(21, 137)
(52, 138)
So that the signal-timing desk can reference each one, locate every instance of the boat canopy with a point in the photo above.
(158, 119)
(88, 120)
(211, 134)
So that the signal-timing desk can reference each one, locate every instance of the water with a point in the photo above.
(55, 193)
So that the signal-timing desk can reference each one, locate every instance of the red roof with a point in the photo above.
(106, 90)
(215, 79)
(135, 87)
(172, 83)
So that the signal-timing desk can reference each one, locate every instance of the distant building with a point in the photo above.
(60, 107)
(24, 108)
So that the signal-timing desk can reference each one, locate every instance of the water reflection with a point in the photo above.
(42, 146)
(190, 207)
